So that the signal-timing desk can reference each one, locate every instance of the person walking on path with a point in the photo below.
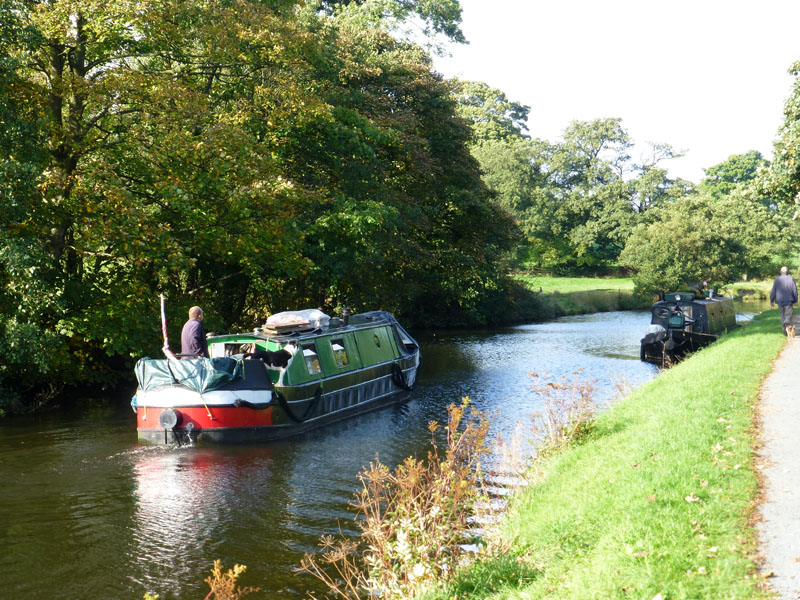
(784, 294)
(193, 338)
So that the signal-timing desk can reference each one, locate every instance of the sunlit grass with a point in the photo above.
(565, 285)
(657, 501)
(749, 289)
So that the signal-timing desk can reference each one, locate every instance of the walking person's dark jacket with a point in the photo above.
(784, 291)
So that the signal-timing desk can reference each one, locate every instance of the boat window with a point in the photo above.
(377, 340)
(340, 353)
(312, 360)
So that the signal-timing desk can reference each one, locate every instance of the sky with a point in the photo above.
(708, 77)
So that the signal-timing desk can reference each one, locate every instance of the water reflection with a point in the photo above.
(185, 501)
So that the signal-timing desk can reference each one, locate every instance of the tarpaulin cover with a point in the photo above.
(198, 374)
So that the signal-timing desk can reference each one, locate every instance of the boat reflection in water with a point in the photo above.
(187, 503)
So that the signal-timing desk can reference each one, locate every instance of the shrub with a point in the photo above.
(413, 518)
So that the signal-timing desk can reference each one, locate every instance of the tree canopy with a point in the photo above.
(247, 156)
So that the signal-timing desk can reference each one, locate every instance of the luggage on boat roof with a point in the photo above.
(292, 320)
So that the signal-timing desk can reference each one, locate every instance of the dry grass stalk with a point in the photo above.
(567, 415)
(413, 518)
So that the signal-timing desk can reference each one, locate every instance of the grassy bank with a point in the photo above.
(749, 290)
(658, 500)
(559, 296)
(566, 285)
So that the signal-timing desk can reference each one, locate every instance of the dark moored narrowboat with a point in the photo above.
(282, 379)
(683, 322)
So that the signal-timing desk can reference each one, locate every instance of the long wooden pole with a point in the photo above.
(166, 349)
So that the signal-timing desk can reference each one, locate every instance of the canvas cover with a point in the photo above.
(198, 374)
(308, 317)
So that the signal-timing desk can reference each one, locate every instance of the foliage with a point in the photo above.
(700, 239)
(412, 519)
(567, 415)
(576, 200)
(739, 169)
(436, 16)
(246, 156)
(492, 115)
(781, 181)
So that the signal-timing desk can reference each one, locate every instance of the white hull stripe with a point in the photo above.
(177, 397)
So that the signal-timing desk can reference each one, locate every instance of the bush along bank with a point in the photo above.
(656, 502)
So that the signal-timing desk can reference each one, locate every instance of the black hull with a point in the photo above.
(668, 347)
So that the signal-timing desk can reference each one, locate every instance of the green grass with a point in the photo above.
(566, 285)
(658, 499)
(561, 296)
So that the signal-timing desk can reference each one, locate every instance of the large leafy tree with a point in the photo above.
(699, 238)
(407, 222)
(247, 156)
(739, 169)
(576, 200)
(155, 179)
(781, 181)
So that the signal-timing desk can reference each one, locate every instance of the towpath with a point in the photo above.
(779, 528)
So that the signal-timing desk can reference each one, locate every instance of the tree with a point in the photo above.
(158, 171)
(737, 170)
(407, 223)
(700, 238)
(247, 156)
(781, 181)
(437, 17)
(492, 115)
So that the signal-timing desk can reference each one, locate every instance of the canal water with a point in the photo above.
(86, 512)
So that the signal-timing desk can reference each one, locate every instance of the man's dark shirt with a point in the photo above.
(193, 338)
(784, 291)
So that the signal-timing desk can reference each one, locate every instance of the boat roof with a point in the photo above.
(670, 298)
(365, 320)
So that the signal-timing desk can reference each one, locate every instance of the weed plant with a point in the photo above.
(222, 584)
(413, 519)
(567, 414)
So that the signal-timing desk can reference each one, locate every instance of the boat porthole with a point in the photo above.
(377, 340)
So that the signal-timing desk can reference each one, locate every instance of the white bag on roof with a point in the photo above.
(310, 317)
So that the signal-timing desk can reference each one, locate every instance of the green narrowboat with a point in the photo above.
(284, 378)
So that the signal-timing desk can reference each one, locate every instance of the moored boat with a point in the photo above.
(299, 371)
(682, 322)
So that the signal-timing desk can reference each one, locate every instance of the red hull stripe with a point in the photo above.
(221, 416)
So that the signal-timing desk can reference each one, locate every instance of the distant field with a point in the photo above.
(565, 285)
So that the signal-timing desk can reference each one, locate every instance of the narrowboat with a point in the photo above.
(682, 322)
(301, 370)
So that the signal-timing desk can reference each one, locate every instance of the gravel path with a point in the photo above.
(779, 529)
